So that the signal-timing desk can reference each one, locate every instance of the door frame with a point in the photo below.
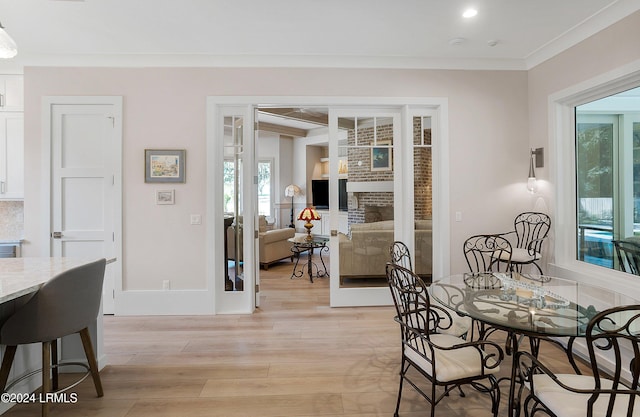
(109, 306)
(441, 232)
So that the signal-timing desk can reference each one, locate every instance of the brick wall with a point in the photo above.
(422, 171)
(359, 169)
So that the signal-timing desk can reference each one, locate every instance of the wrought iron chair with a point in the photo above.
(628, 254)
(529, 232)
(613, 341)
(444, 360)
(487, 253)
(400, 255)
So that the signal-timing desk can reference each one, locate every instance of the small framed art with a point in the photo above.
(381, 157)
(164, 165)
(165, 197)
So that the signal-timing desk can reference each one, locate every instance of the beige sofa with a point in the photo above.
(366, 252)
(273, 244)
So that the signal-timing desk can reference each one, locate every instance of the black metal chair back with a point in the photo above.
(611, 335)
(531, 228)
(400, 255)
(485, 253)
(628, 255)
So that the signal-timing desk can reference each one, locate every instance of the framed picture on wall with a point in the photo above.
(381, 157)
(165, 197)
(164, 165)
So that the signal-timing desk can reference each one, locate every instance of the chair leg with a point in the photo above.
(7, 362)
(46, 376)
(54, 364)
(91, 359)
(402, 372)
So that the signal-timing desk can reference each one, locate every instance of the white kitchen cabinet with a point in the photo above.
(11, 156)
(11, 92)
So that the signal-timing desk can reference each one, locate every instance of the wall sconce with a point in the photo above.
(538, 155)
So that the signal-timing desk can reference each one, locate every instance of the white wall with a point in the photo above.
(165, 108)
(603, 53)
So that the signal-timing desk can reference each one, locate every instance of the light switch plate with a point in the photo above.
(196, 219)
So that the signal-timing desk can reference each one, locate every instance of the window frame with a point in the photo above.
(564, 262)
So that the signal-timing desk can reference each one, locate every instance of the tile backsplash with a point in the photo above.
(11, 220)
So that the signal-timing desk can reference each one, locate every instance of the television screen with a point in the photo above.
(320, 194)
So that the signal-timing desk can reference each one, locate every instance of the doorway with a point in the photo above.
(318, 157)
(85, 142)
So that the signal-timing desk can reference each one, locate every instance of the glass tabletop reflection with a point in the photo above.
(530, 304)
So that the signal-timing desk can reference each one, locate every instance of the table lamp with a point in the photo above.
(292, 190)
(307, 214)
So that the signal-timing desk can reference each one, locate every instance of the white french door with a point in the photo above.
(365, 141)
(235, 262)
(85, 183)
(393, 133)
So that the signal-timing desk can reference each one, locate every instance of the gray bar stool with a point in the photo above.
(68, 303)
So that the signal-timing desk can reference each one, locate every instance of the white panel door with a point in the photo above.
(82, 180)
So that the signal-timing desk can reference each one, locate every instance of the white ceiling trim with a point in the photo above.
(589, 27)
(261, 61)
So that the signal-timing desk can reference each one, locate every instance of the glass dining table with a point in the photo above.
(538, 306)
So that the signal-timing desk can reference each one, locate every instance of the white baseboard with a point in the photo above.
(164, 303)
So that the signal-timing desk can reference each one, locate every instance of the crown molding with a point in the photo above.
(585, 29)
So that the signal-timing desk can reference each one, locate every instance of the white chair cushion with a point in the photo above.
(565, 403)
(519, 255)
(450, 364)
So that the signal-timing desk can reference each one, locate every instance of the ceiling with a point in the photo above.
(506, 34)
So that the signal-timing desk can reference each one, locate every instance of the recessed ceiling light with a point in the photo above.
(470, 13)
(457, 41)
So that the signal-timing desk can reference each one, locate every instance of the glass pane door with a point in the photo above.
(363, 166)
(423, 197)
(233, 202)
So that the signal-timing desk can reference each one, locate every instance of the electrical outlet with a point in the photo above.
(166, 284)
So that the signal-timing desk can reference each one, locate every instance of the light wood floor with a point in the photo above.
(294, 357)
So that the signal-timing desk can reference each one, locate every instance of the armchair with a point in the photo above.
(613, 340)
(628, 254)
(485, 253)
(273, 245)
(529, 232)
(444, 360)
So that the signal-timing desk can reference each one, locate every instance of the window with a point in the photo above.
(607, 135)
(229, 175)
(265, 188)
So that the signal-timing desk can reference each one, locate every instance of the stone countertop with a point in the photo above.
(11, 241)
(20, 276)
